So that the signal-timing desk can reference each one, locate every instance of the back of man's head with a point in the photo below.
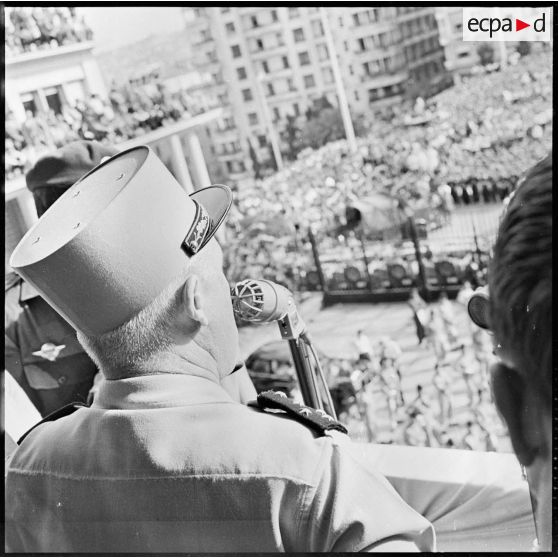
(53, 174)
(520, 280)
(520, 287)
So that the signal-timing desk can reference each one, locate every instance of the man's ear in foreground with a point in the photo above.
(521, 410)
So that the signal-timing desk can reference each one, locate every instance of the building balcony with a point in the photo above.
(282, 96)
(203, 42)
(269, 51)
(262, 28)
(383, 79)
(46, 53)
(379, 52)
(476, 501)
(416, 37)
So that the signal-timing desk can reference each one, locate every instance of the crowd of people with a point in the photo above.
(472, 143)
(31, 28)
(129, 112)
(374, 394)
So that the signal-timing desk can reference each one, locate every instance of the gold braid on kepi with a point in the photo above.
(198, 231)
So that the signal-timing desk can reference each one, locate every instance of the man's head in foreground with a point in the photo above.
(129, 259)
(520, 286)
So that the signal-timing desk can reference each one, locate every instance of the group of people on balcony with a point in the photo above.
(32, 28)
(129, 111)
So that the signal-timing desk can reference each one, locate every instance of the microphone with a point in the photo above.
(261, 301)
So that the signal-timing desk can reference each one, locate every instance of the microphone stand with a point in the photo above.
(293, 329)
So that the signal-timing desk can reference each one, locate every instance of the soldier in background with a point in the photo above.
(41, 349)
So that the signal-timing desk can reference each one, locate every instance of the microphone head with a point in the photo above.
(260, 300)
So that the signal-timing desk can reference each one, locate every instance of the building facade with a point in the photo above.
(268, 63)
(462, 56)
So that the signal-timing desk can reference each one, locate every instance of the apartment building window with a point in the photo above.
(323, 54)
(276, 114)
(240, 166)
(230, 28)
(296, 109)
(280, 41)
(309, 81)
(247, 94)
(274, 17)
(317, 28)
(356, 20)
(241, 73)
(252, 119)
(228, 123)
(303, 58)
(54, 102)
(254, 21)
(235, 51)
(270, 89)
(223, 99)
(293, 12)
(373, 95)
(259, 44)
(372, 68)
(262, 141)
(361, 45)
(290, 84)
(327, 75)
(298, 35)
(340, 21)
(229, 166)
(265, 66)
(285, 62)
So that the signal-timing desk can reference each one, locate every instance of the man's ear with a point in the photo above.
(192, 300)
(511, 395)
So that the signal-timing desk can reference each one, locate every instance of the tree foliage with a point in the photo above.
(323, 124)
(292, 137)
(486, 53)
(523, 48)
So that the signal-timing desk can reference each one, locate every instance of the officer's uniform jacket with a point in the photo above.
(41, 350)
(170, 463)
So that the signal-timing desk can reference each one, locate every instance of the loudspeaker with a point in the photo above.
(399, 276)
(313, 281)
(355, 278)
(431, 276)
(380, 280)
(338, 282)
(447, 272)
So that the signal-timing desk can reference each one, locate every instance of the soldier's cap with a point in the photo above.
(114, 240)
(67, 165)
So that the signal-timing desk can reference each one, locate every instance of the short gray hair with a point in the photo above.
(132, 344)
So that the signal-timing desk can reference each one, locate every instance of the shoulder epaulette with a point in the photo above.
(316, 419)
(55, 415)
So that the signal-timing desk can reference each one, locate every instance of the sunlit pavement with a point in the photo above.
(333, 330)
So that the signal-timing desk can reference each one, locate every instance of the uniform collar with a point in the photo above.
(159, 390)
(27, 292)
